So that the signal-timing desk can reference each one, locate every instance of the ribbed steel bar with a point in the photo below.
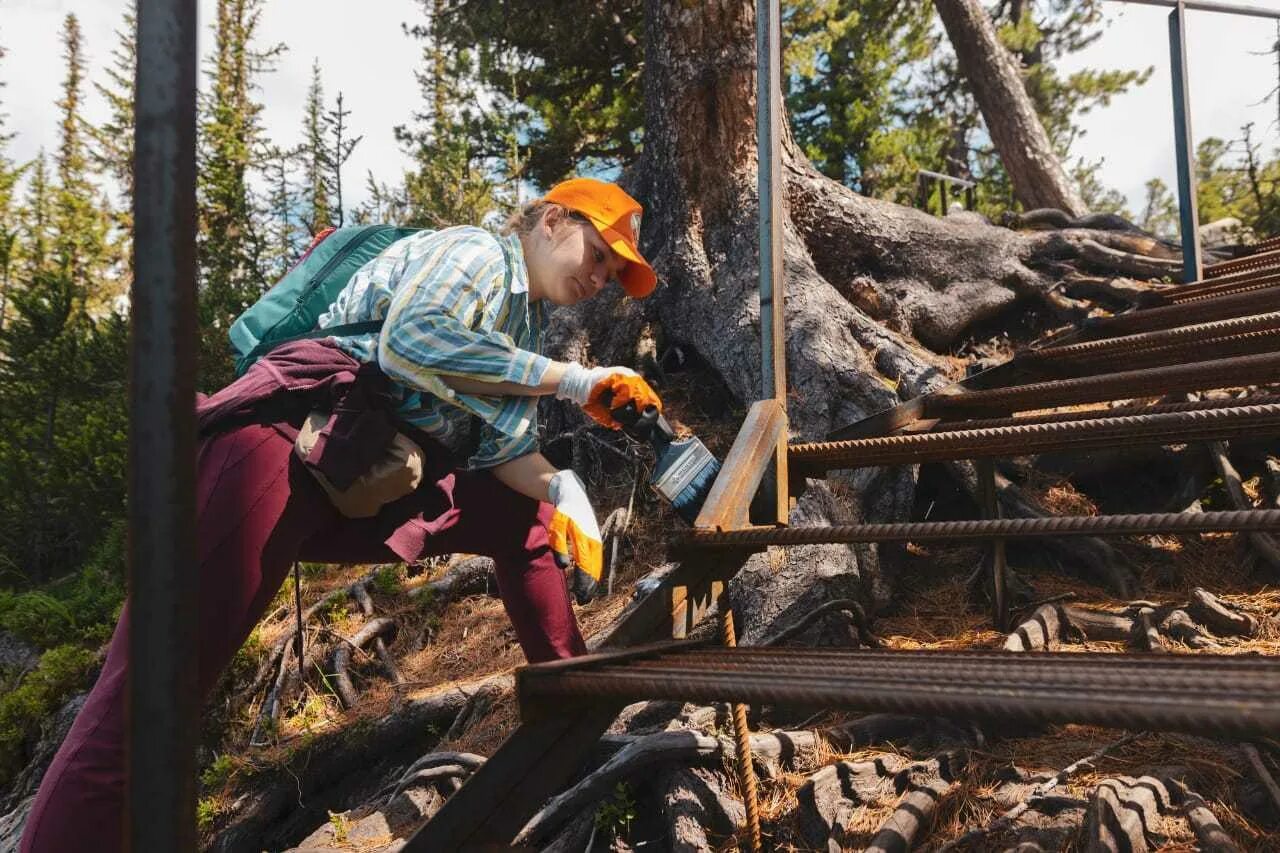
(1162, 340)
(1259, 260)
(1204, 425)
(1228, 285)
(1227, 521)
(1222, 373)
(1229, 696)
(1184, 313)
(1115, 412)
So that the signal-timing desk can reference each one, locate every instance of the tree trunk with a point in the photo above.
(1037, 175)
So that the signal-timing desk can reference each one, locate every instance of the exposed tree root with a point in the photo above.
(1141, 625)
(922, 786)
(376, 630)
(1211, 836)
(1124, 814)
(1007, 819)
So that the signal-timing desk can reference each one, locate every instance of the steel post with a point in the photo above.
(1185, 145)
(163, 708)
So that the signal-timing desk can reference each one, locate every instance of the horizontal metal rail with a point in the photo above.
(1026, 439)
(1227, 696)
(1164, 341)
(1258, 260)
(1211, 6)
(1113, 412)
(1227, 521)
(1200, 291)
(1184, 313)
(1148, 382)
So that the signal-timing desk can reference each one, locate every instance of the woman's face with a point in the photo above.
(569, 261)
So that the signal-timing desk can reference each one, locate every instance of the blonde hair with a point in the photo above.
(524, 220)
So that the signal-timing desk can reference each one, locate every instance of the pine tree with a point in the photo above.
(10, 174)
(80, 221)
(284, 235)
(339, 152)
(232, 246)
(317, 213)
(112, 150)
(1160, 211)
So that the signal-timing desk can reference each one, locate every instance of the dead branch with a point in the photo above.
(1263, 774)
(1263, 543)
(465, 762)
(374, 629)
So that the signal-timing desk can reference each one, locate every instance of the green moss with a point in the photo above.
(60, 673)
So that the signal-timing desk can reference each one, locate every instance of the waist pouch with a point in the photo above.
(394, 473)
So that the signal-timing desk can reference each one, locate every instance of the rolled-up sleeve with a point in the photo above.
(437, 323)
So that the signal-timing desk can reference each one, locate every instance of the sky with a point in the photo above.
(367, 56)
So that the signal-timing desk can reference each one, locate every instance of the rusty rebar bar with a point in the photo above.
(1147, 382)
(1197, 334)
(1183, 313)
(742, 735)
(1258, 260)
(1233, 696)
(1022, 440)
(1224, 521)
(1206, 290)
(1111, 412)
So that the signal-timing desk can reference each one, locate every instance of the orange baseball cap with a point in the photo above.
(616, 216)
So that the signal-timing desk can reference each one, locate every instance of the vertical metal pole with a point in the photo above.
(1184, 145)
(162, 699)
(773, 337)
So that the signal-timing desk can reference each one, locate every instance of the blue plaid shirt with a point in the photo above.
(455, 302)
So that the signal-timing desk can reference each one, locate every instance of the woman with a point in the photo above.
(456, 366)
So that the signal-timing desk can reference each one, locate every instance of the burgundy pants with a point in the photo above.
(258, 510)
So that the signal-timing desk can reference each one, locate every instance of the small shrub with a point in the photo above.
(207, 811)
(60, 673)
(218, 773)
(615, 814)
(387, 579)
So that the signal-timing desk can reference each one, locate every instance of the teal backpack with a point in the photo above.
(290, 310)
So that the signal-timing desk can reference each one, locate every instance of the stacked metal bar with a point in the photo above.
(1230, 696)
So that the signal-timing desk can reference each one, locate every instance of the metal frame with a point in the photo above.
(163, 715)
(1192, 264)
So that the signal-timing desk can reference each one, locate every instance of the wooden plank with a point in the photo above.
(656, 614)
(727, 505)
(537, 760)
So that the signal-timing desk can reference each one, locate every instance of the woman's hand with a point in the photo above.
(599, 389)
(574, 535)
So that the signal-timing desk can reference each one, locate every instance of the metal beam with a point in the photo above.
(1185, 146)
(1207, 6)
(163, 708)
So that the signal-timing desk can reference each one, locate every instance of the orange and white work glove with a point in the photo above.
(590, 387)
(574, 535)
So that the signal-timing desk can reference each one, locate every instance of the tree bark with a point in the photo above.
(1038, 177)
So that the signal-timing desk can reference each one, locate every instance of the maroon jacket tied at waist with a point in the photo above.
(294, 379)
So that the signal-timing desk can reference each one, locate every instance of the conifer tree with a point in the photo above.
(232, 243)
(10, 174)
(339, 152)
(284, 235)
(317, 212)
(112, 150)
(80, 221)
